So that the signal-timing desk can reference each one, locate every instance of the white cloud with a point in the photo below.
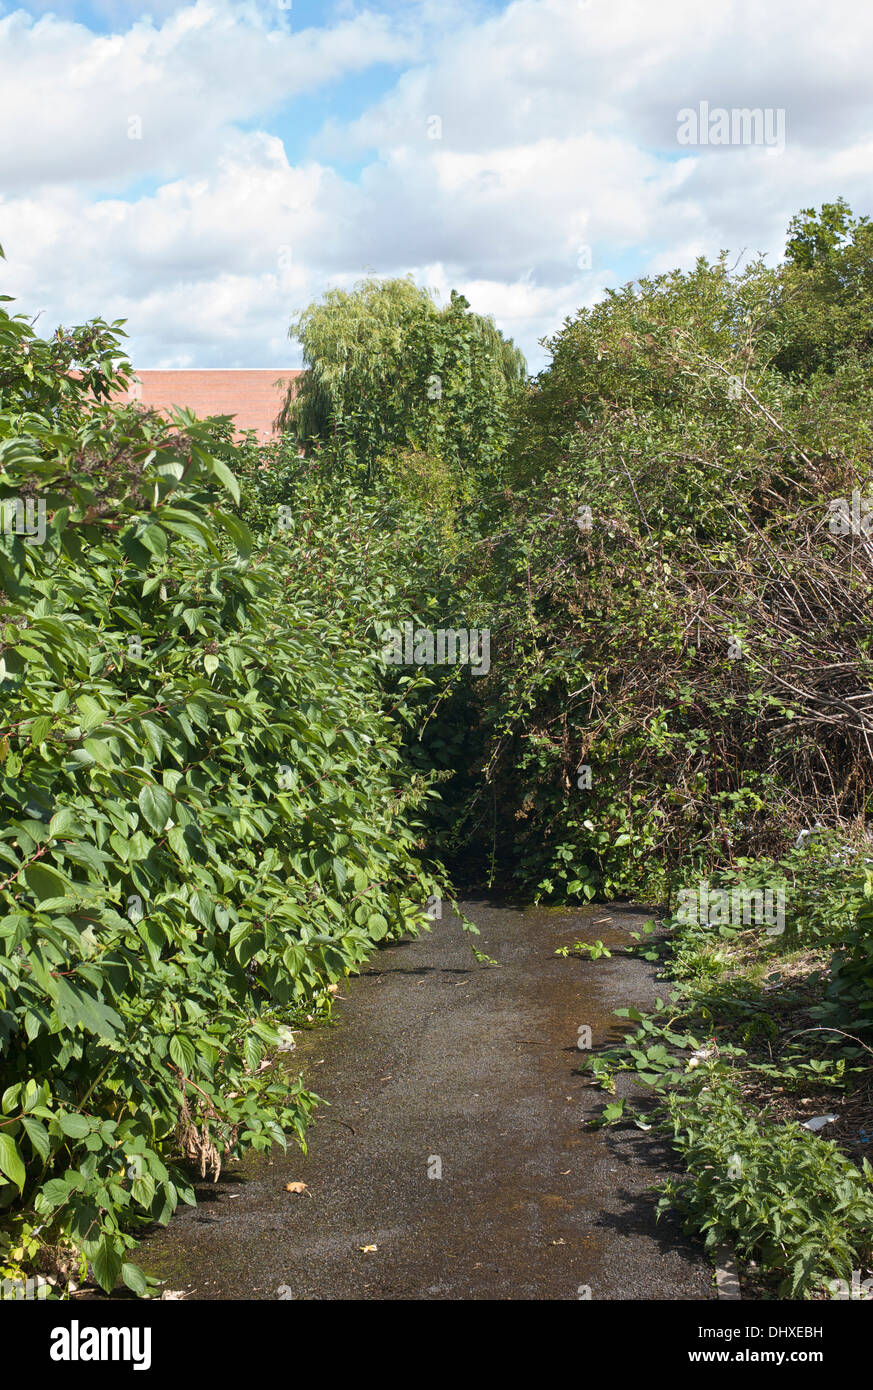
(558, 131)
(71, 96)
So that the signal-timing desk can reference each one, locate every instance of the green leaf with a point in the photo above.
(134, 1278)
(187, 525)
(92, 713)
(100, 751)
(155, 736)
(202, 907)
(9, 1099)
(177, 842)
(106, 1263)
(154, 539)
(38, 1135)
(377, 926)
(252, 1051)
(182, 1053)
(238, 532)
(143, 1190)
(83, 853)
(11, 1162)
(72, 1124)
(40, 729)
(54, 1193)
(63, 822)
(45, 883)
(76, 1009)
(222, 472)
(156, 805)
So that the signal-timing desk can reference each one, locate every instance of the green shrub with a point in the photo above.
(776, 1194)
(205, 819)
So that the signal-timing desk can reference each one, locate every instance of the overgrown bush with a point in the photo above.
(205, 820)
(680, 584)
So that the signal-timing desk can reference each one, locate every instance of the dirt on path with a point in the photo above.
(439, 1065)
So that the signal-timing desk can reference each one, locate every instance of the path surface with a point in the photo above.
(437, 1058)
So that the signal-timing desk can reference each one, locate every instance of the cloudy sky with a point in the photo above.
(205, 169)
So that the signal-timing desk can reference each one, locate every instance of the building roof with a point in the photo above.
(252, 395)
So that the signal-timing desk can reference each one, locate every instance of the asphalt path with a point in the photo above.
(455, 1142)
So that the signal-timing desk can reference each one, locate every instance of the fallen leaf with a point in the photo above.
(296, 1187)
(368, 1248)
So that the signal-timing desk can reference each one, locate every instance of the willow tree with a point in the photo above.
(391, 372)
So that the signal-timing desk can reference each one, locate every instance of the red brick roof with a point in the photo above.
(252, 395)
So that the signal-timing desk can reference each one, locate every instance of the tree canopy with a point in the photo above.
(388, 370)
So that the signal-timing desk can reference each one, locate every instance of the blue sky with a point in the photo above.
(204, 169)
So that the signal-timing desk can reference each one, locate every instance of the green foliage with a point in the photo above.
(663, 499)
(205, 818)
(828, 896)
(738, 1051)
(817, 239)
(796, 1204)
(688, 639)
(824, 310)
(686, 412)
(848, 1002)
(216, 797)
(594, 950)
(390, 372)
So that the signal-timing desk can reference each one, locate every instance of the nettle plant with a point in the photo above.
(204, 816)
(799, 1205)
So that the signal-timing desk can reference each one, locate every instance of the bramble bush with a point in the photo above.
(681, 595)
